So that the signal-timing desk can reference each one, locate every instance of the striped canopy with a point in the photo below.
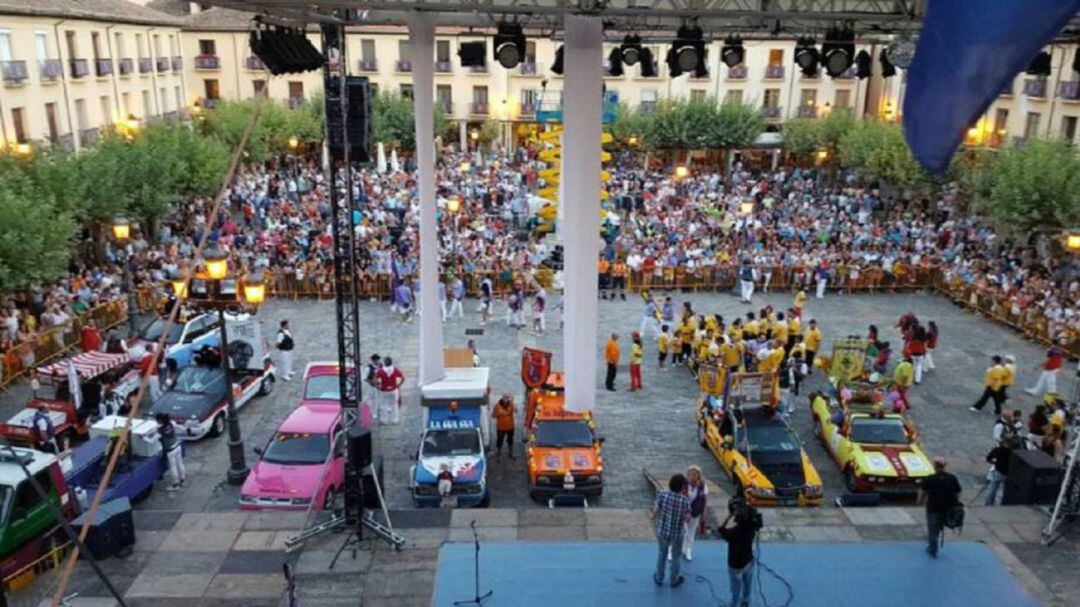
(87, 364)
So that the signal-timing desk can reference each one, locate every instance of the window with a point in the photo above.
(139, 45)
(5, 46)
(72, 46)
(207, 47)
(776, 56)
(106, 110)
(211, 88)
(734, 97)
(163, 99)
(480, 94)
(41, 45)
(808, 98)
(95, 45)
(118, 46)
(530, 52)
(157, 45)
(147, 109)
(648, 100)
(444, 97)
(442, 51)
(406, 91)
(172, 46)
(296, 89)
(772, 98)
(1001, 120)
(530, 97)
(403, 50)
(50, 117)
(367, 50)
(179, 95)
(125, 104)
(1031, 129)
(80, 114)
(697, 95)
(843, 99)
(1068, 128)
(18, 120)
(259, 88)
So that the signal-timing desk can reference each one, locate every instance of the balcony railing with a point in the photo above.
(146, 65)
(774, 72)
(369, 65)
(51, 70)
(443, 67)
(294, 102)
(127, 66)
(807, 111)
(177, 63)
(528, 69)
(255, 64)
(403, 65)
(162, 64)
(479, 108)
(446, 105)
(737, 73)
(14, 72)
(79, 67)
(89, 136)
(1070, 91)
(103, 67)
(770, 112)
(528, 109)
(1035, 87)
(207, 62)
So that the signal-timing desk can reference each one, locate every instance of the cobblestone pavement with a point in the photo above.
(653, 429)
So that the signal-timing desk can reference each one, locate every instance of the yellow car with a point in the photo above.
(877, 452)
(760, 453)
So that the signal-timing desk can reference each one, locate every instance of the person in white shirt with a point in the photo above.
(285, 347)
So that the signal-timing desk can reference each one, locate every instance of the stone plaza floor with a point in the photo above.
(195, 548)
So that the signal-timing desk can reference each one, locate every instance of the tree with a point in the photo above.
(628, 123)
(394, 121)
(35, 242)
(1033, 187)
(702, 124)
(801, 136)
(878, 150)
(736, 125)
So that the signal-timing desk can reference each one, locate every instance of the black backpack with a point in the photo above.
(954, 517)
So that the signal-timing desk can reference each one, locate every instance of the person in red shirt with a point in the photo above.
(388, 380)
(1055, 359)
(90, 337)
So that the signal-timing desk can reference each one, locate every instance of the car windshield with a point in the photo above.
(195, 380)
(297, 448)
(878, 431)
(446, 443)
(322, 387)
(152, 331)
(571, 433)
(769, 438)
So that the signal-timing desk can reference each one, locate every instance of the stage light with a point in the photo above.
(630, 50)
(733, 53)
(863, 65)
(473, 54)
(284, 50)
(615, 62)
(687, 53)
(648, 64)
(509, 45)
(557, 65)
(901, 51)
(807, 56)
(838, 51)
(888, 70)
(1040, 65)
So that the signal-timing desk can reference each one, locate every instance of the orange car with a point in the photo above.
(562, 450)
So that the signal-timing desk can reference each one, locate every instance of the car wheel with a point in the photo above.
(217, 427)
(267, 386)
(484, 503)
(849, 481)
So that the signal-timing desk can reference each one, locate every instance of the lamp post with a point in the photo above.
(220, 292)
(453, 205)
(121, 231)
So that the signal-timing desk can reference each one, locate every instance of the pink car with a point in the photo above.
(321, 384)
(288, 475)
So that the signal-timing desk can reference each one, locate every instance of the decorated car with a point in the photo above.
(451, 466)
(877, 451)
(562, 452)
(302, 465)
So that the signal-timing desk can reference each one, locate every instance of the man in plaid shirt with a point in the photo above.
(671, 510)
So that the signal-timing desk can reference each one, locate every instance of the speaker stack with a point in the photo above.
(1034, 478)
(358, 454)
(112, 532)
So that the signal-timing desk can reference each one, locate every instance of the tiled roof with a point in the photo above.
(218, 19)
(118, 11)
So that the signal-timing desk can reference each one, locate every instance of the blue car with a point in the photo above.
(184, 338)
(451, 443)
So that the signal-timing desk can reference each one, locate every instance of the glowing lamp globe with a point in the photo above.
(254, 289)
(121, 229)
(217, 264)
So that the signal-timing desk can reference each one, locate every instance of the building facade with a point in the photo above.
(80, 66)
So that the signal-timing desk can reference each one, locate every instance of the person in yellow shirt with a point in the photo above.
(711, 323)
(663, 343)
(994, 378)
(780, 332)
(730, 355)
(686, 341)
(813, 342)
(1010, 376)
(637, 356)
(800, 301)
(735, 331)
(751, 328)
(794, 324)
(769, 360)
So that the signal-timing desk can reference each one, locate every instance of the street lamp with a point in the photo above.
(1072, 241)
(220, 292)
(466, 167)
(293, 143)
(746, 208)
(453, 205)
(121, 231)
(681, 171)
(632, 140)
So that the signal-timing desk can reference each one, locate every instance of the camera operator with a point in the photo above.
(739, 530)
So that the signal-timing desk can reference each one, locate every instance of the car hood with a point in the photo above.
(581, 459)
(889, 460)
(269, 479)
(465, 468)
(184, 405)
(784, 469)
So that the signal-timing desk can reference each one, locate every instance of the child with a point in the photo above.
(662, 345)
(637, 356)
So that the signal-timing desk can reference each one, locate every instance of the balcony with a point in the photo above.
(146, 65)
(14, 72)
(79, 67)
(89, 136)
(774, 72)
(527, 109)
(207, 62)
(1069, 91)
(127, 66)
(445, 105)
(478, 108)
(443, 67)
(1035, 87)
(807, 111)
(738, 72)
(51, 70)
(103, 67)
(770, 112)
(162, 64)
(177, 63)
(528, 68)
(403, 66)
(369, 65)
(254, 64)
(294, 102)
(478, 69)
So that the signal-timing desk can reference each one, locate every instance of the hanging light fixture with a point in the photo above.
(733, 52)
(838, 51)
(687, 52)
(509, 45)
(807, 56)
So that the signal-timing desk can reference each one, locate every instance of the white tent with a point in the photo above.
(380, 160)
(395, 166)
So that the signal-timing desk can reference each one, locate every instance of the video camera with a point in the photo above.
(745, 514)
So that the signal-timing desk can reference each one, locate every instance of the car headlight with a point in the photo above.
(594, 478)
(812, 491)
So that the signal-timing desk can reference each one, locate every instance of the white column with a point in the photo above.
(583, 74)
(463, 135)
(421, 45)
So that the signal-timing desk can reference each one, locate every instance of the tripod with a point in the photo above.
(477, 599)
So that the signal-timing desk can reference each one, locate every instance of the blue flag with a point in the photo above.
(967, 53)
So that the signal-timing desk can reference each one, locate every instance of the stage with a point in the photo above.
(883, 574)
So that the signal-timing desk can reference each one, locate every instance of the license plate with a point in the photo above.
(448, 502)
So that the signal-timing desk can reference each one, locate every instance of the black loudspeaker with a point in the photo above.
(359, 447)
(1034, 478)
(356, 130)
(112, 531)
(473, 54)
(367, 481)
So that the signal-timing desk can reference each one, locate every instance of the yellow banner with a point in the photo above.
(552, 135)
(550, 174)
(606, 137)
(552, 155)
(605, 156)
(551, 194)
(605, 176)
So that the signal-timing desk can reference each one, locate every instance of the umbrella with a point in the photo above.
(395, 166)
(381, 160)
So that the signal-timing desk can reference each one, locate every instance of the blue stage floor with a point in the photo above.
(878, 574)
